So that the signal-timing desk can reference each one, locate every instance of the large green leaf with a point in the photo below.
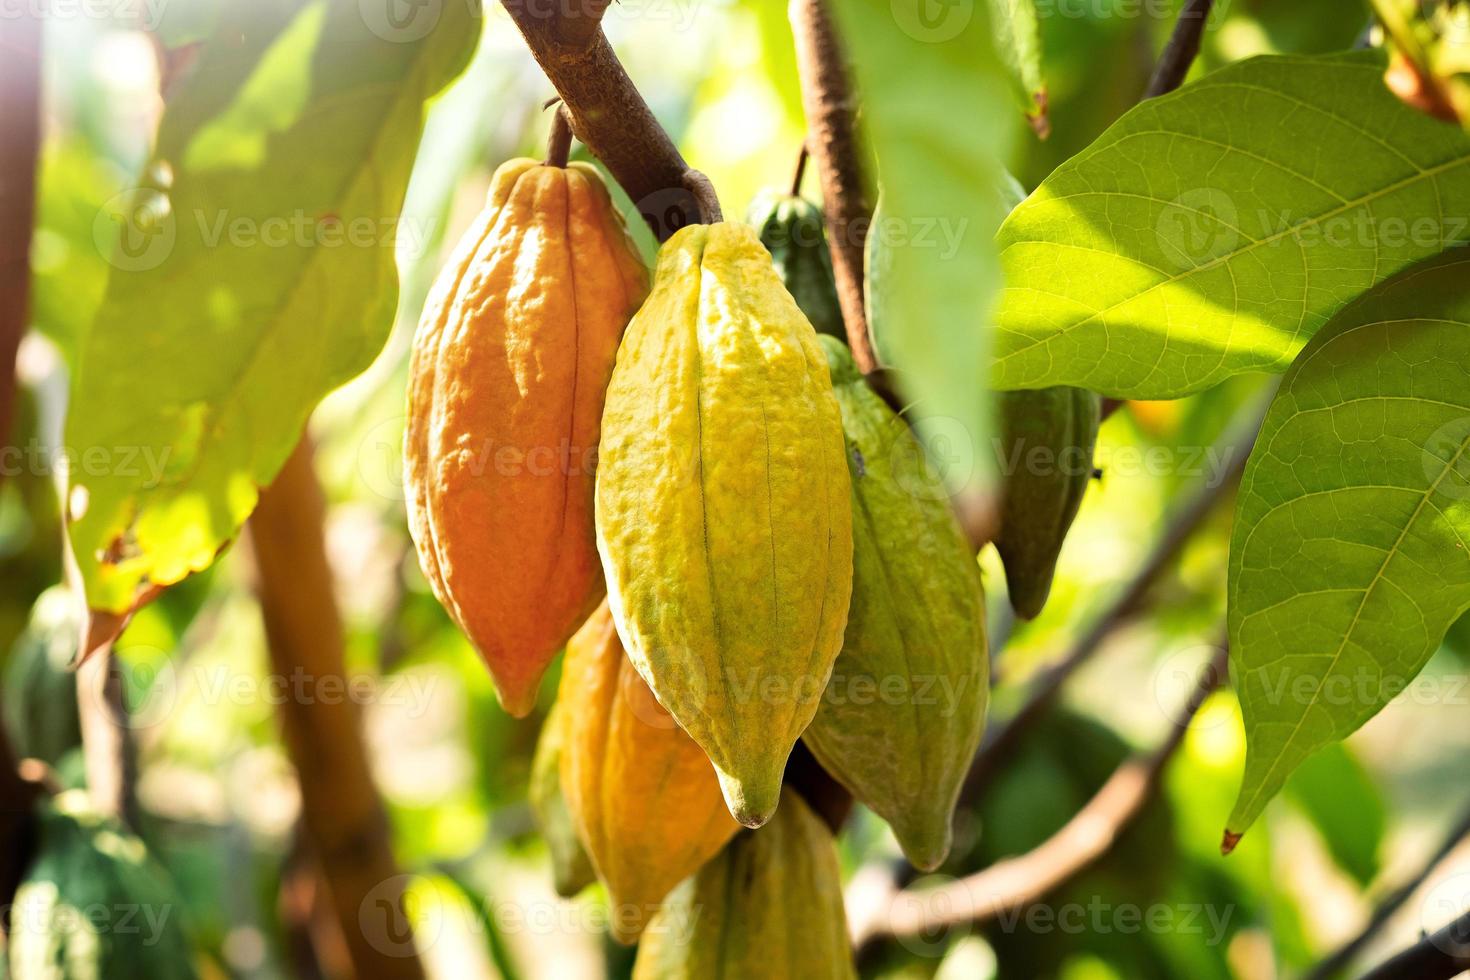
(1214, 230)
(939, 207)
(1349, 558)
(255, 272)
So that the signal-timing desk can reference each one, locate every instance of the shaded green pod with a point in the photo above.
(793, 230)
(40, 691)
(571, 868)
(903, 713)
(1048, 437)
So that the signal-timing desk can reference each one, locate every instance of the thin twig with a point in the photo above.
(1181, 50)
(1020, 881)
(800, 171)
(832, 143)
(1001, 743)
(607, 113)
(1439, 956)
(1336, 962)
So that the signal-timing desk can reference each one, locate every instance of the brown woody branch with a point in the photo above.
(1439, 956)
(832, 142)
(340, 807)
(607, 112)
(1181, 49)
(1336, 962)
(20, 121)
(1020, 881)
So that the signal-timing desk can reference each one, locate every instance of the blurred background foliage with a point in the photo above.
(218, 795)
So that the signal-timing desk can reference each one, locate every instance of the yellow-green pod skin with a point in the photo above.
(571, 868)
(724, 508)
(769, 905)
(905, 708)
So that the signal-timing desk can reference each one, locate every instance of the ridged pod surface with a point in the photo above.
(904, 711)
(1049, 435)
(793, 230)
(93, 905)
(507, 377)
(642, 794)
(571, 868)
(724, 508)
(769, 906)
(39, 691)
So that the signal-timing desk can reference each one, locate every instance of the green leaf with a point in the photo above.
(1340, 799)
(254, 273)
(1348, 560)
(1214, 230)
(939, 281)
(1018, 40)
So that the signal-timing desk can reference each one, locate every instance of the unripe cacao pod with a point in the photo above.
(94, 905)
(641, 792)
(724, 508)
(571, 868)
(905, 708)
(793, 230)
(1049, 436)
(40, 692)
(507, 376)
(770, 905)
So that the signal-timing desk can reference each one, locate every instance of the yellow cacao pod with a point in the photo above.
(507, 377)
(571, 868)
(723, 507)
(905, 708)
(641, 793)
(769, 906)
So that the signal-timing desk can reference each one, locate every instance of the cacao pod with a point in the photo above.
(40, 694)
(507, 376)
(724, 508)
(793, 230)
(94, 905)
(1049, 435)
(571, 868)
(641, 792)
(770, 905)
(905, 708)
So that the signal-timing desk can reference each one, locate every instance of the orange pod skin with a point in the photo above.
(506, 381)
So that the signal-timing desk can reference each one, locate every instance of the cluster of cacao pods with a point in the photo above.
(737, 542)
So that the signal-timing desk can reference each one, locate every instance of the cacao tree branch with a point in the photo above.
(1017, 882)
(607, 113)
(1000, 743)
(109, 753)
(1439, 956)
(340, 807)
(1181, 49)
(1339, 959)
(832, 142)
(20, 121)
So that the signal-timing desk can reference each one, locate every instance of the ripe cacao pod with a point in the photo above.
(94, 905)
(1049, 436)
(905, 708)
(40, 693)
(793, 230)
(641, 792)
(507, 376)
(571, 868)
(770, 905)
(724, 508)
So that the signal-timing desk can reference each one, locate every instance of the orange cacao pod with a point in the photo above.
(642, 794)
(507, 376)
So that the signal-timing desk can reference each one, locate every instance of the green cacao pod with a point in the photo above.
(40, 695)
(1049, 436)
(93, 905)
(571, 868)
(905, 708)
(793, 230)
(724, 508)
(770, 905)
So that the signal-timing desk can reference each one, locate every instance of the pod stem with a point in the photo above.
(697, 184)
(559, 140)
